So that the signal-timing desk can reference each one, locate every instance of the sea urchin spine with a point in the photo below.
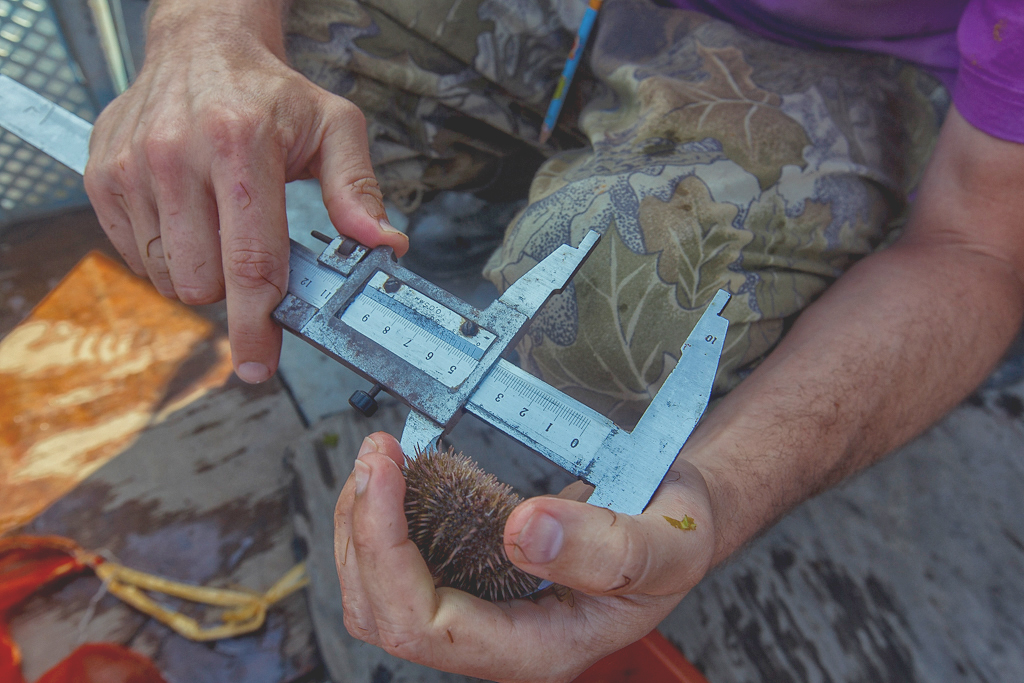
(457, 514)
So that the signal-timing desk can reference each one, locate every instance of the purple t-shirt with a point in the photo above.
(976, 47)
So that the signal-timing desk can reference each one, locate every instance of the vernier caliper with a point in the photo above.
(443, 357)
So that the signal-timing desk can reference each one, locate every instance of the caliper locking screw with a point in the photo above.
(392, 285)
(469, 328)
(347, 246)
(364, 401)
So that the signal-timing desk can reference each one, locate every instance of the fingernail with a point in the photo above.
(541, 538)
(368, 446)
(361, 474)
(387, 227)
(253, 373)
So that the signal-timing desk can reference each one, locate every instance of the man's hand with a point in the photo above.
(626, 573)
(187, 168)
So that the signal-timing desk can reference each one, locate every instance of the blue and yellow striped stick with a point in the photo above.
(558, 99)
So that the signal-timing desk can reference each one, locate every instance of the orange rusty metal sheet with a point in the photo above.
(99, 359)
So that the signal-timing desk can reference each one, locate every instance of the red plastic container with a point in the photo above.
(652, 659)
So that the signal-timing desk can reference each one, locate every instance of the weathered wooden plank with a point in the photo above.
(913, 571)
(201, 497)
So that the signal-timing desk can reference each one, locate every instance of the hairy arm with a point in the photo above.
(897, 342)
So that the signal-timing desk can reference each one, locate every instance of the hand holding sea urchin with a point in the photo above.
(457, 514)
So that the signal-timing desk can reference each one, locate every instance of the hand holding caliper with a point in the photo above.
(443, 357)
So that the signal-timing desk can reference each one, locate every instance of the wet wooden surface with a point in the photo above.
(913, 571)
(201, 495)
(203, 498)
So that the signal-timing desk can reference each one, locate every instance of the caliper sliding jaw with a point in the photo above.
(624, 467)
(435, 408)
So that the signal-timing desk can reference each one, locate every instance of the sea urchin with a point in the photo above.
(457, 514)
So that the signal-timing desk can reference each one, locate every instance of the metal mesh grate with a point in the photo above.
(33, 52)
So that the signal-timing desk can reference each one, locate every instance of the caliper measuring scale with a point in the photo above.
(443, 357)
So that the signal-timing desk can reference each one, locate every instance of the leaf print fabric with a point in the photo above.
(708, 157)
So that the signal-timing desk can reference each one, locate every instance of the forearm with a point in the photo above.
(896, 343)
(893, 345)
(171, 21)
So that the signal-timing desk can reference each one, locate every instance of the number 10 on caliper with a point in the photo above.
(443, 357)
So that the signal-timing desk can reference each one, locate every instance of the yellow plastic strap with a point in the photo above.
(248, 609)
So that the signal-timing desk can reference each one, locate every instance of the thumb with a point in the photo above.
(387, 445)
(664, 551)
(351, 193)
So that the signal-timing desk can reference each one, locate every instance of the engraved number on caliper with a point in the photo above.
(418, 330)
(539, 414)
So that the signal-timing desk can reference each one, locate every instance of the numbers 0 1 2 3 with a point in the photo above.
(524, 411)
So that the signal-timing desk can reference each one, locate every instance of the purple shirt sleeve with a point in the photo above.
(989, 90)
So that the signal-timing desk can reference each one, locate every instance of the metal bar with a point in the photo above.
(41, 123)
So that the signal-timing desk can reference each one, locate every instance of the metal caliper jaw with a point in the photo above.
(519, 303)
(625, 468)
(631, 465)
(419, 434)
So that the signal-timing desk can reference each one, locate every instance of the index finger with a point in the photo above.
(249, 185)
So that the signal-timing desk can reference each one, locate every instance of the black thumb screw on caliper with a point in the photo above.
(364, 401)
(347, 246)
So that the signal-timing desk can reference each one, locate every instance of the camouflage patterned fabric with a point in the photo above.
(454, 91)
(712, 159)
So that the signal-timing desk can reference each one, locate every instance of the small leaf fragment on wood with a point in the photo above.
(686, 524)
